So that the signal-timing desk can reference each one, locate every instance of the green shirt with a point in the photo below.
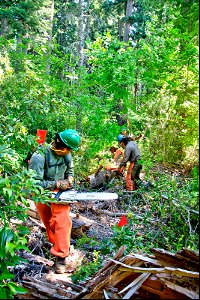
(56, 168)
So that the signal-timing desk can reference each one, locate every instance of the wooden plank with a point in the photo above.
(176, 271)
(109, 278)
(113, 278)
(135, 282)
(46, 289)
(145, 258)
(105, 294)
(194, 255)
(169, 259)
(182, 290)
(164, 294)
(132, 291)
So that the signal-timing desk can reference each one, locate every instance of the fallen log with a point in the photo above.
(36, 258)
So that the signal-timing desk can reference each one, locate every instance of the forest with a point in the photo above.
(98, 66)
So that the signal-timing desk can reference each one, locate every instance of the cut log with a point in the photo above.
(87, 222)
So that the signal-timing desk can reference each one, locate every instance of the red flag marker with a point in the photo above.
(123, 221)
(41, 136)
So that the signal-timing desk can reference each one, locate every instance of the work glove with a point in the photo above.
(71, 180)
(63, 184)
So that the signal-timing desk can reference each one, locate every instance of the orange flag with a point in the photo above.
(123, 221)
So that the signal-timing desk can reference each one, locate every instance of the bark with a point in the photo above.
(4, 28)
(120, 31)
(129, 9)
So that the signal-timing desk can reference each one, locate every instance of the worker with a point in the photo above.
(132, 154)
(117, 154)
(57, 174)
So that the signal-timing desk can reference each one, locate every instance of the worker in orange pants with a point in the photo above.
(55, 171)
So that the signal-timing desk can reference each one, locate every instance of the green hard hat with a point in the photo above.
(71, 138)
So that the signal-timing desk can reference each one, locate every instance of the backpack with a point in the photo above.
(47, 160)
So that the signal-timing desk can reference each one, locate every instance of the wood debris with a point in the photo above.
(161, 275)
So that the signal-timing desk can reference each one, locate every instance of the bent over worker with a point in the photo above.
(132, 154)
(54, 171)
(117, 154)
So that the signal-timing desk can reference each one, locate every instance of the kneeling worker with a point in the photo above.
(54, 171)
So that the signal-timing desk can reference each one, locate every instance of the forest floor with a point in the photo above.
(104, 214)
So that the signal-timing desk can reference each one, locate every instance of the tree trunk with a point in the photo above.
(129, 9)
(48, 65)
(120, 31)
(80, 34)
(4, 27)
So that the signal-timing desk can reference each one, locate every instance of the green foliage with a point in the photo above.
(16, 185)
(21, 16)
(168, 218)
(10, 242)
(85, 270)
(195, 181)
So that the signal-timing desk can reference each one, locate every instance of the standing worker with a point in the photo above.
(54, 171)
(131, 154)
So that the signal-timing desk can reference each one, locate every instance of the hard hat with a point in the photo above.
(123, 129)
(121, 137)
(70, 138)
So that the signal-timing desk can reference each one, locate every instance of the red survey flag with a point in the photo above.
(41, 134)
(123, 221)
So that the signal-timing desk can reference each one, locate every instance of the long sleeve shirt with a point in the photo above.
(118, 154)
(48, 172)
(131, 153)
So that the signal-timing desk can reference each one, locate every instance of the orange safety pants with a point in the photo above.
(58, 225)
(130, 185)
(133, 175)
